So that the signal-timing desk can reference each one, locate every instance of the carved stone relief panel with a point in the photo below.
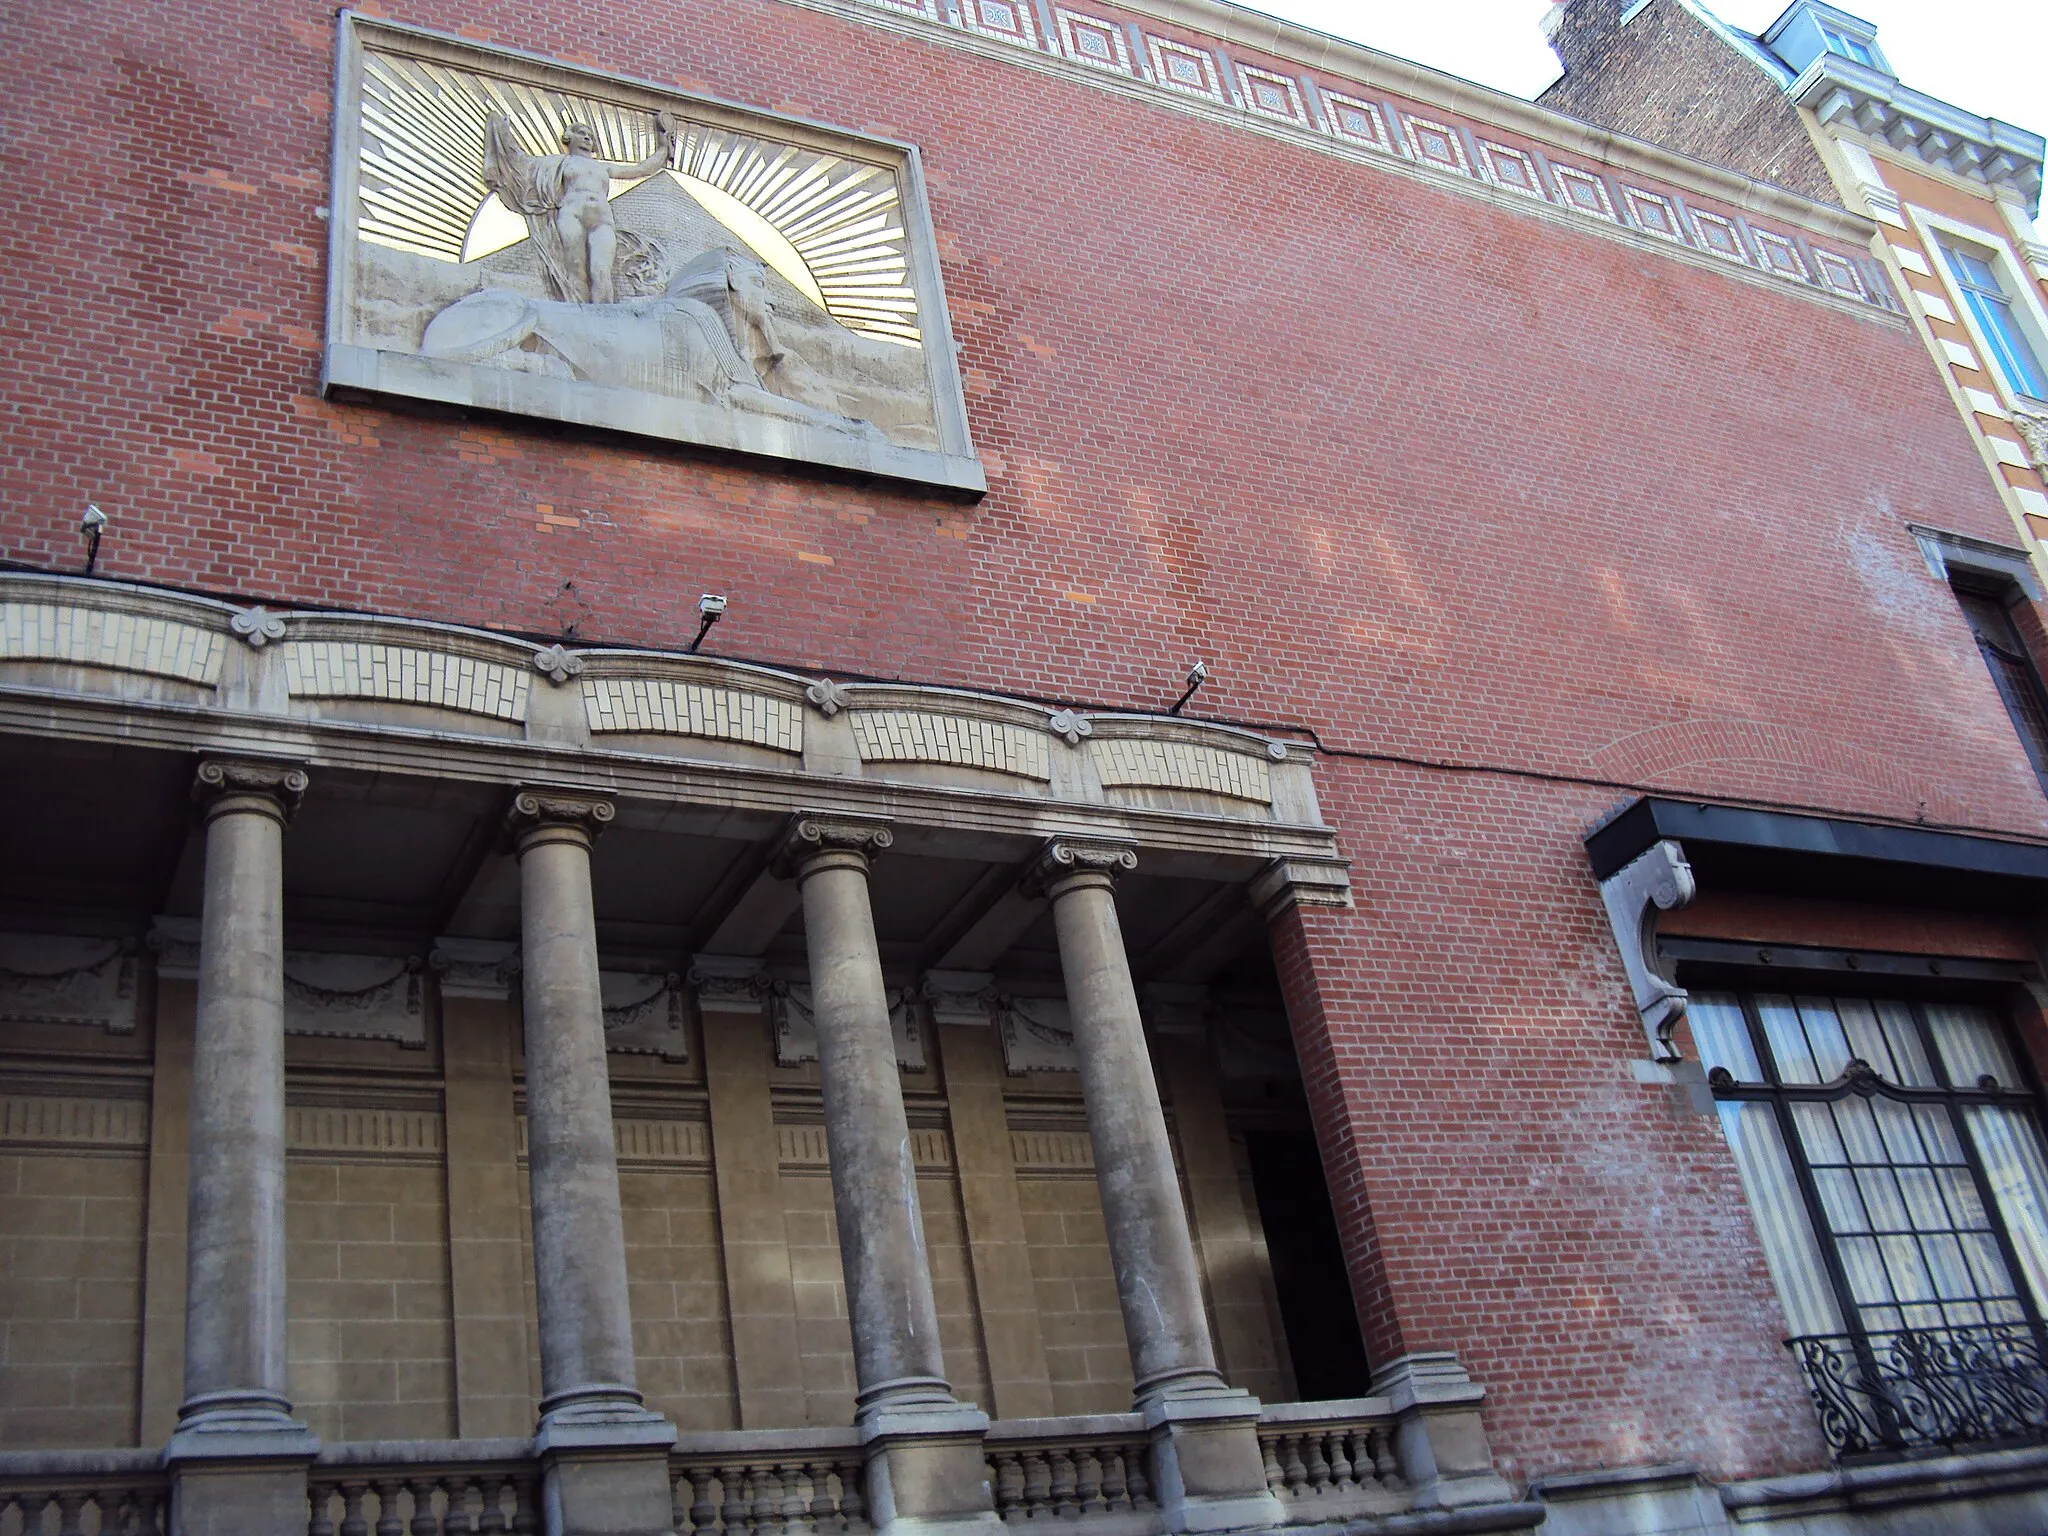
(643, 1014)
(1037, 1035)
(54, 979)
(796, 1031)
(545, 240)
(340, 997)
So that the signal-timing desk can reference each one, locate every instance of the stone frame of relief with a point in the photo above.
(514, 234)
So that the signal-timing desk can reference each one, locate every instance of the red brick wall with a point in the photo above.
(1434, 476)
(1666, 77)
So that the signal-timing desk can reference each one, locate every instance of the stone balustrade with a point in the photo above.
(1097, 1468)
(1333, 1460)
(83, 1493)
(791, 1482)
(424, 1488)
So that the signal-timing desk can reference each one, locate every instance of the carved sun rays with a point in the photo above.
(421, 180)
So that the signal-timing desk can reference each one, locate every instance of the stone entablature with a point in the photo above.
(419, 697)
(1265, 76)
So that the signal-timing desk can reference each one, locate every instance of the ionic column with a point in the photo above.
(589, 1403)
(1204, 1434)
(235, 1409)
(924, 1459)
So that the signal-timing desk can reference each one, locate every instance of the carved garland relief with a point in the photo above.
(546, 241)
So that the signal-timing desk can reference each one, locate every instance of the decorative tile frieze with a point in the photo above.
(913, 736)
(1840, 274)
(663, 1143)
(111, 638)
(1271, 95)
(1356, 121)
(1009, 20)
(1511, 168)
(365, 669)
(1436, 144)
(660, 707)
(1179, 67)
(643, 1014)
(1147, 763)
(1340, 111)
(57, 979)
(1093, 41)
(1583, 190)
(1037, 1035)
(796, 1029)
(1653, 213)
(1780, 255)
(1718, 235)
(58, 1123)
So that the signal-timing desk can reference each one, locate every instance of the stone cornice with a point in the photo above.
(1984, 150)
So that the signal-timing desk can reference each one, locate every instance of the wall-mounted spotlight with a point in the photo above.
(1198, 674)
(90, 527)
(710, 609)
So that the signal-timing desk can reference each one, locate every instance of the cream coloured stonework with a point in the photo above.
(344, 669)
(661, 707)
(118, 641)
(912, 736)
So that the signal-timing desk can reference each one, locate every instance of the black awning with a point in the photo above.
(1736, 847)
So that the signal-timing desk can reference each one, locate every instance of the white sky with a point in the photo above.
(1985, 56)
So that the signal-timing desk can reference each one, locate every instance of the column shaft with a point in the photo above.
(235, 1275)
(1157, 1281)
(874, 1180)
(579, 1243)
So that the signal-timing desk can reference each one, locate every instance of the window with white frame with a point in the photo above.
(1892, 1153)
(1847, 46)
(1998, 321)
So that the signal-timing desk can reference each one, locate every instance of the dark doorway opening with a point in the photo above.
(1308, 1265)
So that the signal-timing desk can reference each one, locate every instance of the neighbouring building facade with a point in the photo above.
(1813, 104)
(628, 912)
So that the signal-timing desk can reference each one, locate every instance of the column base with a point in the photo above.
(1439, 1438)
(926, 1473)
(238, 1467)
(604, 1464)
(1208, 1473)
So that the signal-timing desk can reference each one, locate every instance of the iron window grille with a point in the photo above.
(1902, 1196)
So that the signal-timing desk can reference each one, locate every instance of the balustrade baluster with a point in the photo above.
(1340, 1461)
(71, 1513)
(1037, 1485)
(1116, 1491)
(1269, 1447)
(853, 1503)
(1063, 1485)
(1292, 1464)
(1318, 1464)
(389, 1522)
(352, 1521)
(525, 1493)
(767, 1505)
(703, 1511)
(1138, 1473)
(493, 1486)
(149, 1514)
(320, 1522)
(1008, 1470)
(824, 1508)
(1383, 1462)
(1088, 1488)
(732, 1511)
(423, 1521)
(795, 1510)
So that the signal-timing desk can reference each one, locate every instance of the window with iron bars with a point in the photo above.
(1892, 1152)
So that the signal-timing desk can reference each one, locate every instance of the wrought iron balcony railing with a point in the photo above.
(1927, 1388)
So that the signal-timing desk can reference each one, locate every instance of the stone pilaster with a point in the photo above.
(238, 1458)
(923, 1449)
(604, 1456)
(1204, 1435)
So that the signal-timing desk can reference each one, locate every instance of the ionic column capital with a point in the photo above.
(1067, 863)
(227, 785)
(557, 815)
(818, 840)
